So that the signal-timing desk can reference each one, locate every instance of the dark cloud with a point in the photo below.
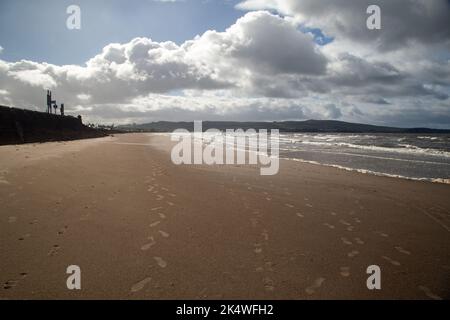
(404, 22)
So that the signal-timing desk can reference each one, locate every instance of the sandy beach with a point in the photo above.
(140, 227)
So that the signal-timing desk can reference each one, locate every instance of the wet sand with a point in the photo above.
(140, 227)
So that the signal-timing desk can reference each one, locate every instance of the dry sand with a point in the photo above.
(140, 227)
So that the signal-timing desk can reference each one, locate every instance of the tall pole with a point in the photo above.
(48, 101)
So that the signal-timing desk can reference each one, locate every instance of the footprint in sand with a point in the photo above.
(12, 219)
(300, 215)
(147, 246)
(154, 224)
(268, 199)
(329, 225)
(10, 284)
(173, 195)
(63, 230)
(202, 294)
(346, 241)
(359, 241)
(85, 217)
(160, 261)
(161, 215)
(333, 213)
(254, 222)
(170, 203)
(54, 251)
(24, 237)
(309, 205)
(150, 189)
(156, 208)
(429, 294)
(269, 284)
(345, 271)
(393, 262)
(269, 266)
(140, 285)
(352, 254)
(258, 248)
(316, 285)
(382, 234)
(164, 234)
(159, 197)
(289, 205)
(345, 223)
(401, 250)
(265, 235)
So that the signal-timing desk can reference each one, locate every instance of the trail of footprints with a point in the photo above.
(54, 250)
(345, 270)
(316, 285)
(263, 266)
(349, 225)
(164, 198)
(12, 283)
(318, 282)
(56, 247)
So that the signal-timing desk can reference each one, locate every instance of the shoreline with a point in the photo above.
(373, 173)
(348, 169)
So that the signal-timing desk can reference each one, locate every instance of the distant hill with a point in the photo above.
(284, 126)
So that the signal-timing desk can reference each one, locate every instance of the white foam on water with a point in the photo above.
(381, 174)
(404, 148)
(370, 156)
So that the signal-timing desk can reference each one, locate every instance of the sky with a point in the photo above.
(246, 60)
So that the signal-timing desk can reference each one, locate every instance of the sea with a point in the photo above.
(410, 156)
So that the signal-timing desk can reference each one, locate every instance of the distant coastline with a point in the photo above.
(311, 126)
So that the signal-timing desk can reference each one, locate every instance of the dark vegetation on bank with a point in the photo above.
(25, 126)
